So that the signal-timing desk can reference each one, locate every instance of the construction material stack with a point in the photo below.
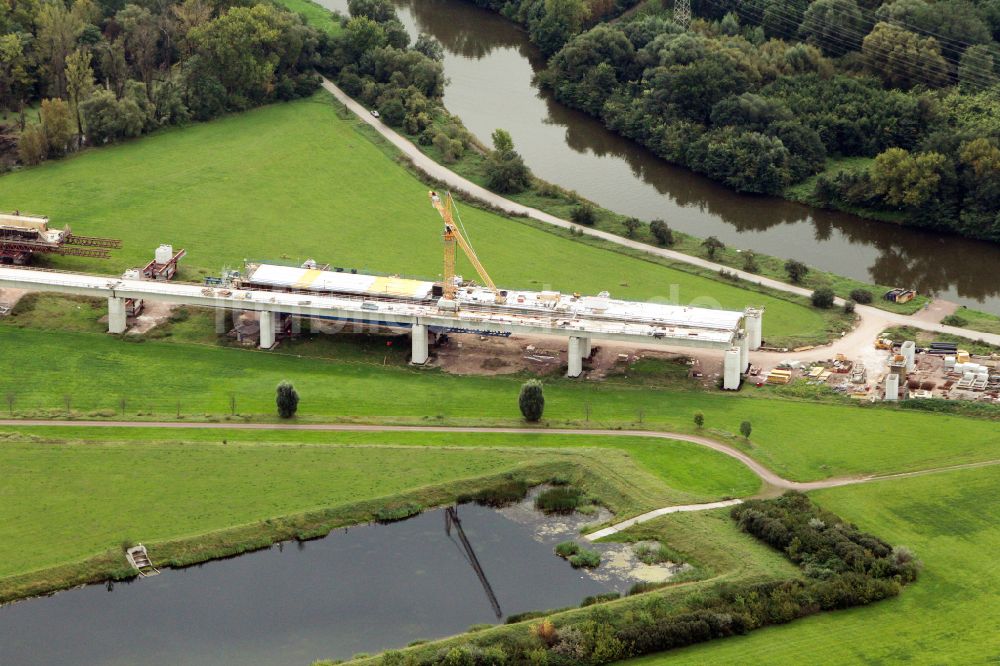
(21, 236)
(164, 263)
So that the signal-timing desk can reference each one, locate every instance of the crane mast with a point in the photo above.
(452, 237)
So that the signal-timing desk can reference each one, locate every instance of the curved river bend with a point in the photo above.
(490, 65)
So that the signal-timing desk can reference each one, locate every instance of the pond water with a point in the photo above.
(362, 589)
(490, 64)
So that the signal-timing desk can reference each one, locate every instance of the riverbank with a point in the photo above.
(491, 65)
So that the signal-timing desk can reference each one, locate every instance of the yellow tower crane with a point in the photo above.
(451, 236)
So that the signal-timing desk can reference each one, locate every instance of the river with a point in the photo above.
(490, 65)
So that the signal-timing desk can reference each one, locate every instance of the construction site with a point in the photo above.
(897, 370)
(272, 296)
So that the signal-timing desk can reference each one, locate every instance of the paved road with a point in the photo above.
(874, 317)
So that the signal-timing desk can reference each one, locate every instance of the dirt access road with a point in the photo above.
(773, 482)
(853, 344)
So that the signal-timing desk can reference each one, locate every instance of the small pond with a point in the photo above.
(363, 589)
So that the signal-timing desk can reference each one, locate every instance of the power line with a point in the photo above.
(852, 39)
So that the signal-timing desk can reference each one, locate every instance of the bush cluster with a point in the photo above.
(391, 514)
(561, 499)
(820, 542)
(501, 494)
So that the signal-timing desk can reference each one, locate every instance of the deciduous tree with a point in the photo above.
(531, 400)
(902, 58)
(833, 25)
(287, 400)
(905, 179)
(57, 123)
(79, 83)
(58, 30)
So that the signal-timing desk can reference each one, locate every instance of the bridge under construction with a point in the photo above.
(450, 305)
(274, 291)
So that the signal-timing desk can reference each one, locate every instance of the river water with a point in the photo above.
(366, 588)
(490, 65)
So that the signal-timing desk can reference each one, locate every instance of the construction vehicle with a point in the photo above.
(21, 236)
(883, 343)
(451, 237)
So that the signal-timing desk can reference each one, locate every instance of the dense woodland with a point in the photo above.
(96, 71)
(763, 95)
(86, 73)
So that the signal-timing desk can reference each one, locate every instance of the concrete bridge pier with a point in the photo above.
(744, 352)
(418, 337)
(588, 348)
(754, 324)
(731, 369)
(575, 356)
(266, 321)
(116, 315)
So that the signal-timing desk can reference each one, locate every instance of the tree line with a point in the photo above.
(763, 95)
(99, 71)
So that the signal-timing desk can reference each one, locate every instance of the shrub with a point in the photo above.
(584, 214)
(645, 586)
(712, 245)
(391, 514)
(507, 174)
(746, 429)
(652, 554)
(955, 320)
(699, 419)
(588, 559)
(531, 400)
(287, 399)
(33, 145)
(567, 548)
(599, 599)
(503, 494)
(849, 307)
(561, 499)
(796, 270)
(750, 262)
(661, 232)
(545, 631)
(631, 225)
(862, 296)
(823, 297)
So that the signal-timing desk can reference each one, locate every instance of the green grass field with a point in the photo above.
(799, 439)
(975, 321)
(315, 15)
(950, 616)
(293, 181)
(71, 498)
(63, 502)
(690, 472)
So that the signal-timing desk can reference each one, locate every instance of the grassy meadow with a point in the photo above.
(71, 498)
(949, 616)
(801, 440)
(62, 502)
(295, 181)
